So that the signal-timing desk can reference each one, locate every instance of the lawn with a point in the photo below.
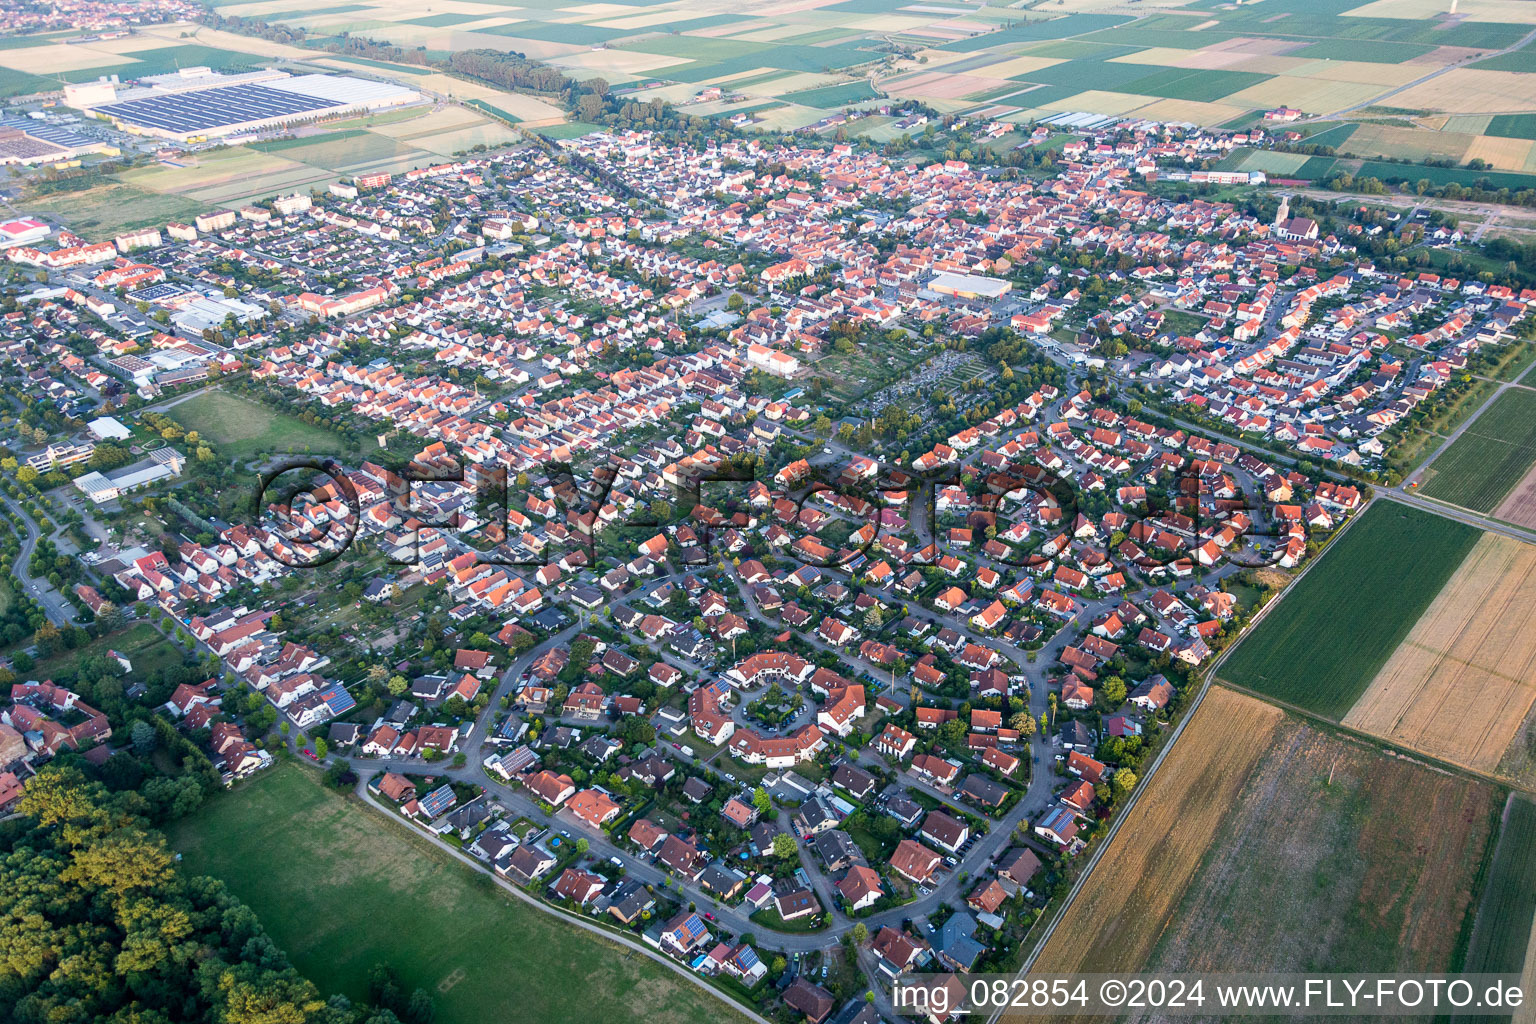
(1323, 644)
(1503, 926)
(244, 429)
(143, 645)
(340, 890)
(1489, 459)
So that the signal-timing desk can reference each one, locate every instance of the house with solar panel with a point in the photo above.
(684, 934)
(436, 803)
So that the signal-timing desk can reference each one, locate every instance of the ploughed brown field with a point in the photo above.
(1519, 506)
(1268, 843)
(1117, 917)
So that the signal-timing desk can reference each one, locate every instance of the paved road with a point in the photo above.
(54, 604)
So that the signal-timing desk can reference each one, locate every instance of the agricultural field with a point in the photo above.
(1335, 853)
(244, 429)
(1113, 924)
(113, 207)
(1279, 845)
(1213, 63)
(1464, 678)
(340, 891)
(395, 141)
(1489, 460)
(1501, 935)
(1335, 628)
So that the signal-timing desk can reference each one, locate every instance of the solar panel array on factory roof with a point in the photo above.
(206, 109)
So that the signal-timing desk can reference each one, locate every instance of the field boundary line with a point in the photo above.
(1178, 731)
(1395, 748)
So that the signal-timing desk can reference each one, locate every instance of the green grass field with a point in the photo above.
(339, 149)
(1370, 51)
(340, 890)
(1321, 647)
(1485, 463)
(1513, 126)
(110, 208)
(833, 96)
(140, 643)
(1182, 84)
(1503, 925)
(243, 429)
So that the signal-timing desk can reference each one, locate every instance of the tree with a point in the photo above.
(860, 933)
(1023, 723)
(582, 845)
(94, 898)
(143, 736)
(26, 474)
(1113, 691)
(1122, 782)
(784, 846)
(762, 801)
(397, 685)
(322, 748)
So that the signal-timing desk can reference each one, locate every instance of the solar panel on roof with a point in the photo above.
(186, 113)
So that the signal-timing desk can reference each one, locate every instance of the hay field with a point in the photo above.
(1390, 140)
(1505, 154)
(1117, 918)
(1470, 91)
(451, 142)
(1335, 855)
(1461, 683)
(1311, 95)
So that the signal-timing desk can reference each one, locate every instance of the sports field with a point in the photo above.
(243, 429)
(1493, 455)
(1271, 844)
(1335, 628)
(340, 890)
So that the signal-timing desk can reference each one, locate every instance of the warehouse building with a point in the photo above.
(196, 104)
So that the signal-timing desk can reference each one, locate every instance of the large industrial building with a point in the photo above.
(27, 141)
(195, 103)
